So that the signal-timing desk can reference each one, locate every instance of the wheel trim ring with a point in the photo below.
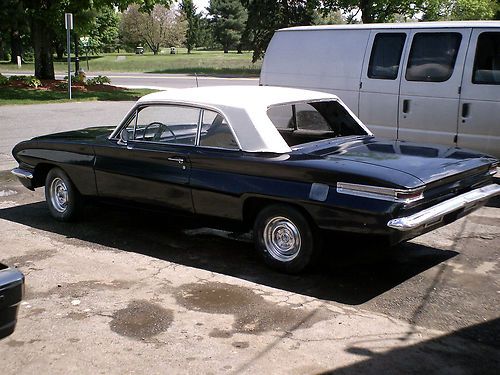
(58, 193)
(282, 239)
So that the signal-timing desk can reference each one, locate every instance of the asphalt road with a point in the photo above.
(161, 81)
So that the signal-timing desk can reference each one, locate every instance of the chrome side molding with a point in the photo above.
(435, 213)
(21, 173)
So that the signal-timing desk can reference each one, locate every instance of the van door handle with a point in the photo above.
(406, 106)
(465, 110)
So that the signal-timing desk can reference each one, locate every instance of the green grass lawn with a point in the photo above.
(201, 62)
(18, 95)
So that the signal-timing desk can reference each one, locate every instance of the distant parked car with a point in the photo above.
(288, 163)
(139, 50)
(11, 294)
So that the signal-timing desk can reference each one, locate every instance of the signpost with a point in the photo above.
(68, 22)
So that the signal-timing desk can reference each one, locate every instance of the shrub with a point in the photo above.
(99, 80)
(17, 78)
(79, 78)
(32, 81)
(3, 80)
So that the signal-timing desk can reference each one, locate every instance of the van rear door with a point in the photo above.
(380, 78)
(479, 120)
(430, 85)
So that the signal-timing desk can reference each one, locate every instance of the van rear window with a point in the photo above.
(432, 56)
(487, 60)
(386, 55)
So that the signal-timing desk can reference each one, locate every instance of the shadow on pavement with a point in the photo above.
(449, 354)
(351, 272)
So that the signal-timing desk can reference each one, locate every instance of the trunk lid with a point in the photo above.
(429, 163)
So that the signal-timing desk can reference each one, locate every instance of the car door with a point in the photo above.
(478, 125)
(153, 165)
(380, 79)
(430, 88)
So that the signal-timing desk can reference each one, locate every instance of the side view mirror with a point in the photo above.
(124, 136)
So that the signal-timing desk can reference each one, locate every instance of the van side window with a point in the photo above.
(386, 55)
(432, 56)
(487, 60)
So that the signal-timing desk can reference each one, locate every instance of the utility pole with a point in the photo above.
(68, 22)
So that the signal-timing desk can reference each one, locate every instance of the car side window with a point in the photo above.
(167, 124)
(386, 55)
(487, 60)
(282, 116)
(215, 131)
(432, 56)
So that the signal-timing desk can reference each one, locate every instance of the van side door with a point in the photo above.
(430, 86)
(479, 119)
(380, 79)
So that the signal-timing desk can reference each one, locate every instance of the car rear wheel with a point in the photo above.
(285, 239)
(63, 200)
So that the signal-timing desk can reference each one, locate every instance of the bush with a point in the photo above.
(17, 78)
(99, 80)
(32, 81)
(3, 80)
(62, 85)
(79, 78)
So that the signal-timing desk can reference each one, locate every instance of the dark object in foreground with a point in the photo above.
(11, 294)
(288, 163)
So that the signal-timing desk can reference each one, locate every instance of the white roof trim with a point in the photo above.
(245, 108)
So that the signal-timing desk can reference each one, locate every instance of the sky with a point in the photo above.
(201, 4)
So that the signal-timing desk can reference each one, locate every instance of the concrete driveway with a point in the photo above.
(126, 291)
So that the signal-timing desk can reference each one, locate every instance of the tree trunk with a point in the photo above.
(226, 48)
(239, 48)
(366, 11)
(16, 47)
(59, 50)
(77, 58)
(42, 45)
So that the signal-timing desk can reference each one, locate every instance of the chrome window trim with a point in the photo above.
(378, 192)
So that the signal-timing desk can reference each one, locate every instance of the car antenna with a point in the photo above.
(196, 77)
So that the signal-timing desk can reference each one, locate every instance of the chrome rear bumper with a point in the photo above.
(436, 213)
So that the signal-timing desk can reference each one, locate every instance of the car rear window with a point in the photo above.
(310, 121)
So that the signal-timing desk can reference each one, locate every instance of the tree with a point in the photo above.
(435, 10)
(161, 27)
(229, 18)
(266, 16)
(375, 11)
(188, 11)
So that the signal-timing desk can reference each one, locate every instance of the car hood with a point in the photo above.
(426, 162)
(79, 135)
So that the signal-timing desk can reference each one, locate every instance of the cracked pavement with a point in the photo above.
(125, 291)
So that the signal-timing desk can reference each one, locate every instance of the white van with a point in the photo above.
(433, 82)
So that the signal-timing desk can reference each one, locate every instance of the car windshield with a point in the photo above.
(305, 122)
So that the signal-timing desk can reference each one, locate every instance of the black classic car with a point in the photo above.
(288, 163)
(11, 294)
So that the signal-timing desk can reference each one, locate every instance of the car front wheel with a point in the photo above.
(62, 198)
(285, 239)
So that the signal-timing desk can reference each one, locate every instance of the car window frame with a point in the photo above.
(135, 110)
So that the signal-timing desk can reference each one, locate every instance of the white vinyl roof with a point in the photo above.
(399, 25)
(245, 109)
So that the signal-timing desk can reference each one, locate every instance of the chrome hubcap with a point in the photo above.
(282, 239)
(58, 194)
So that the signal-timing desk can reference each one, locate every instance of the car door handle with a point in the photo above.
(406, 106)
(178, 160)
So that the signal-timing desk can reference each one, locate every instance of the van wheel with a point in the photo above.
(285, 239)
(63, 200)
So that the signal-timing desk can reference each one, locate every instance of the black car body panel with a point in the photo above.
(228, 183)
(11, 295)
